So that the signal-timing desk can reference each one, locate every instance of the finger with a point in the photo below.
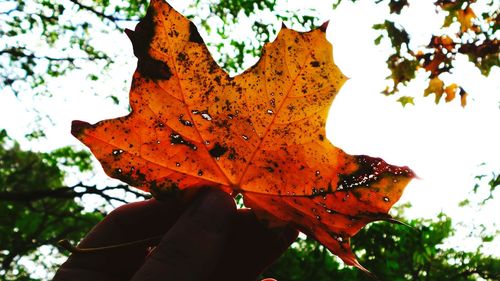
(251, 248)
(127, 223)
(192, 247)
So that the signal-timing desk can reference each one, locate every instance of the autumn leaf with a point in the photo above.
(463, 97)
(435, 86)
(450, 92)
(465, 18)
(260, 134)
(404, 100)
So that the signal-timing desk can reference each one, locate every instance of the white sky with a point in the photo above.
(444, 144)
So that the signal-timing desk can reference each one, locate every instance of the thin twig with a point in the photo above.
(75, 249)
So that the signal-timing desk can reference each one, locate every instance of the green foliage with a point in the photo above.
(404, 100)
(464, 33)
(29, 63)
(234, 52)
(491, 181)
(228, 10)
(392, 252)
(397, 35)
(307, 260)
(68, 157)
(29, 220)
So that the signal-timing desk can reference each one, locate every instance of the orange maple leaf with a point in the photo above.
(260, 133)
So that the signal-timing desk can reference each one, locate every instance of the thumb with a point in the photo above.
(191, 248)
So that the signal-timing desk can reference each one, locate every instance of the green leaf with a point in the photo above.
(404, 100)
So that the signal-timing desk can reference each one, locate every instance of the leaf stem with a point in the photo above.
(65, 244)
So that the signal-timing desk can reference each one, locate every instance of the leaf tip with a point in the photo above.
(194, 35)
(130, 34)
(77, 127)
(324, 26)
(354, 262)
(396, 221)
(410, 173)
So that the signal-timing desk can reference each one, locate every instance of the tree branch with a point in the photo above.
(18, 52)
(99, 13)
(67, 192)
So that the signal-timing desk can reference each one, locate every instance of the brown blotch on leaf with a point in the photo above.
(154, 69)
(218, 150)
(370, 170)
(324, 26)
(176, 138)
(141, 41)
(194, 35)
(77, 127)
(164, 190)
(315, 63)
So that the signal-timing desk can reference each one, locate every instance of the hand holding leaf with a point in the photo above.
(260, 133)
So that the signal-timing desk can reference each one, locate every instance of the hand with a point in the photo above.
(208, 240)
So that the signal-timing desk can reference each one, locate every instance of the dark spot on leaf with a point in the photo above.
(77, 127)
(232, 154)
(194, 35)
(213, 67)
(141, 40)
(370, 170)
(315, 63)
(154, 69)
(159, 124)
(164, 189)
(218, 150)
(175, 138)
(173, 33)
(185, 122)
(143, 34)
(181, 56)
(117, 153)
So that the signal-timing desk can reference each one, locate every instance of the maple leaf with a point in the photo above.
(404, 100)
(436, 86)
(450, 92)
(260, 133)
(466, 17)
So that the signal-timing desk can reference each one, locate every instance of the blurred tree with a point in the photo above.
(67, 29)
(37, 209)
(462, 33)
(392, 252)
